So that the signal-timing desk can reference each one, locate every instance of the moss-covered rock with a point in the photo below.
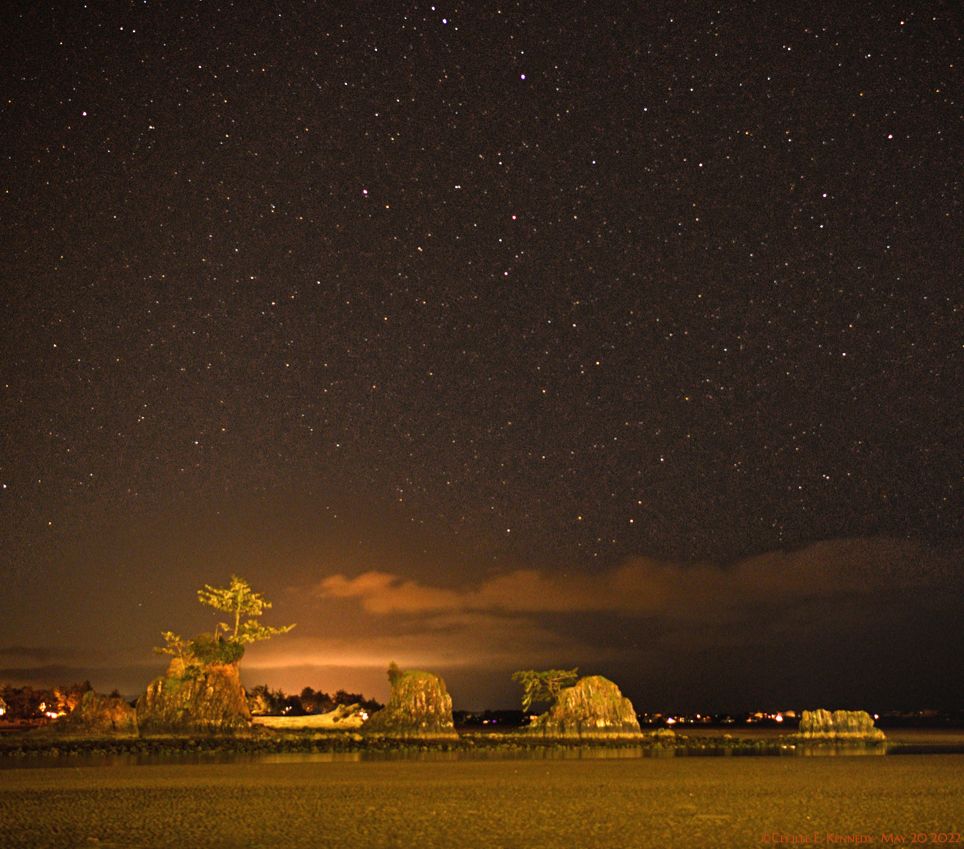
(194, 698)
(593, 708)
(99, 715)
(841, 725)
(419, 707)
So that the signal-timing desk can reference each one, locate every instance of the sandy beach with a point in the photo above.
(287, 802)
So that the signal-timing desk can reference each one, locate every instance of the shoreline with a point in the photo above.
(15, 748)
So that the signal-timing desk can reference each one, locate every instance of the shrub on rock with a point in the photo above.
(207, 649)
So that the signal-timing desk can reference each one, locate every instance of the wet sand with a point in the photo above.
(674, 802)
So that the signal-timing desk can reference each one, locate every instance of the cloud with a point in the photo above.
(37, 654)
(645, 587)
(383, 592)
(449, 640)
(844, 608)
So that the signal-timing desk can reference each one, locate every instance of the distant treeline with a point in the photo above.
(267, 702)
(30, 704)
(18, 704)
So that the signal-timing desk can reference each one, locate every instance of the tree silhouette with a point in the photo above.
(240, 600)
(543, 686)
(226, 644)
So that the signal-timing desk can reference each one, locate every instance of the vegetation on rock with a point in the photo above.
(207, 649)
(202, 688)
(240, 600)
(592, 707)
(226, 643)
(191, 698)
(543, 686)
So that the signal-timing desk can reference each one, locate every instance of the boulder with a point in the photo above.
(841, 725)
(99, 715)
(194, 698)
(419, 707)
(593, 708)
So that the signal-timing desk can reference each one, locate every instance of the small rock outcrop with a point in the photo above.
(419, 707)
(592, 708)
(841, 725)
(99, 715)
(193, 698)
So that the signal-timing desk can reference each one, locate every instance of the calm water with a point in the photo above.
(494, 754)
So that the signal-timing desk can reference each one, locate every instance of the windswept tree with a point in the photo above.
(174, 645)
(545, 685)
(226, 644)
(244, 604)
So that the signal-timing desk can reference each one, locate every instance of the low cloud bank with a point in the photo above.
(855, 617)
(645, 587)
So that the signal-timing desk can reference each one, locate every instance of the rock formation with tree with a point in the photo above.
(841, 726)
(193, 698)
(591, 708)
(419, 707)
(201, 690)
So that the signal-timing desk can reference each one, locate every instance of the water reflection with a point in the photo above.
(535, 753)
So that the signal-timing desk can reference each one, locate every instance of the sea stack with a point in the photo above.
(419, 707)
(593, 708)
(194, 698)
(841, 725)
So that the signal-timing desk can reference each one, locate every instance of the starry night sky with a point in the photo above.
(488, 335)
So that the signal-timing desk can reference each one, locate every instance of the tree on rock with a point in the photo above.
(240, 600)
(226, 644)
(201, 690)
(590, 708)
(543, 686)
